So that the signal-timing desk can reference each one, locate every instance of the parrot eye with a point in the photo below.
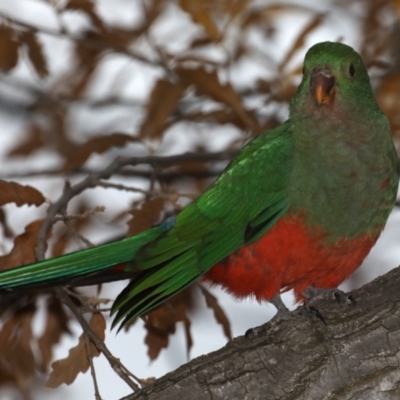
(352, 70)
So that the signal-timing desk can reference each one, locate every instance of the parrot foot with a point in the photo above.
(283, 314)
(313, 294)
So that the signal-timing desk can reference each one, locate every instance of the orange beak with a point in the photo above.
(323, 88)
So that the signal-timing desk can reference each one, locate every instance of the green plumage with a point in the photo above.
(343, 160)
(77, 264)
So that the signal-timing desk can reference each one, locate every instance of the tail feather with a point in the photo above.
(155, 286)
(79, 268)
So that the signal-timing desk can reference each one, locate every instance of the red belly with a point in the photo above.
(290, 256)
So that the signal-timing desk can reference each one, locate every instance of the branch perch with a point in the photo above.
(356, 356)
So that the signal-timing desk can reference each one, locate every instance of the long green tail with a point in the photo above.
(74, 265)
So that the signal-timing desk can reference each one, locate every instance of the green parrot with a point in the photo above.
(299, 207)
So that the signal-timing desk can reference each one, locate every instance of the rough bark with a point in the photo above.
(354, 356)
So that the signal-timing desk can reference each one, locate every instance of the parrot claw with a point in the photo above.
(252, 331)
(312, 294)
(310, 312)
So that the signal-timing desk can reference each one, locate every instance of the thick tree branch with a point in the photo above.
(354, 356)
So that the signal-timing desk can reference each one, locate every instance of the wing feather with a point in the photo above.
(241, 206)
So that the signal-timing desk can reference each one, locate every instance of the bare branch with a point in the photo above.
(115, 363)
(92, 369)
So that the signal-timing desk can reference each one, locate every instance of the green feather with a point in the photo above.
(79, 263)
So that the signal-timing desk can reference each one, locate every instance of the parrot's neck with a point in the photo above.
(342, 179)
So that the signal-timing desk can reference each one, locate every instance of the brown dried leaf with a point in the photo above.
(61, 242)
(299, 42)
(23, 251)
(201, 15)
(56, 325)
(16, 355)
(200, 42)
(35, 53)
(7, 230)
(88, 51)
(67, 369)
(98, 145)
(225, 116)
(33, 141)
(397, 6)
(89, 63)
(388, 97)
(98, 324)
(65, 235)
(6, 376)
(87, 7)
(8, 48)
(118, 37)
(376, 37)
(87, 55)
(237, 7)
(207, 83)
(263, 15)
(83, 77)
(219, 313)
(161, 322)
(188, 335)
(162, 103)
(146, 216)
(13, 192)
(56, 133)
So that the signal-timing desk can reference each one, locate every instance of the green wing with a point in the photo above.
(241, 205)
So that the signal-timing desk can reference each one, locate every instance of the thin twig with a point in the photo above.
(77, 235)
(114, 362)
(84, 215)
(67, 219)
(126, 173)
(124, 170)
(97, 44)
(148, 193)
(92, 369)
(89, 303)
(88, 309)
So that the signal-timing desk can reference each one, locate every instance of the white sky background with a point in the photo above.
(134, 82)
